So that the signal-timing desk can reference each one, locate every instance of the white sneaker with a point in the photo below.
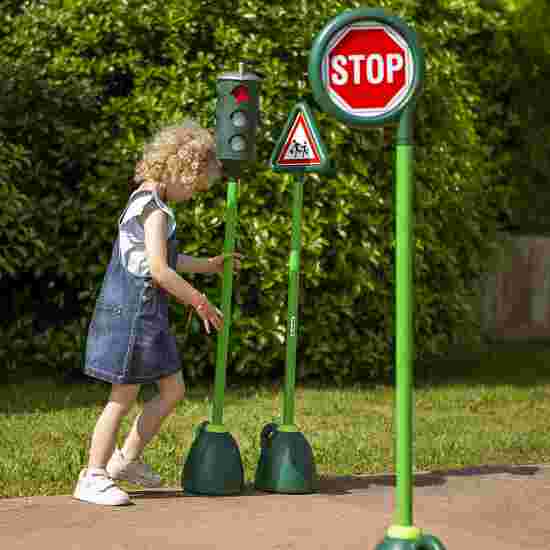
(133, 471)
(95, 486)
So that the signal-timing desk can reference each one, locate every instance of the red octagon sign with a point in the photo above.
(368, 69)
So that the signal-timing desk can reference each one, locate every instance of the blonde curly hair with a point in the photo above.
(182, 154)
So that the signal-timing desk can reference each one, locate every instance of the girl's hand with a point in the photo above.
(208, 313)
(217, 262)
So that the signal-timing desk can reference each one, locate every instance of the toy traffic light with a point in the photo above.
(237, 119)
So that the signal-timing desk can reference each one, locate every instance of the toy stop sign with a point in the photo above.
(365, 67)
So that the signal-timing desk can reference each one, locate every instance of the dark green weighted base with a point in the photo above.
(423, 542)
(286, 462)
(213, 466)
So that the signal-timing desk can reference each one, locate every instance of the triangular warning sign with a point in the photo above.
(300, 148)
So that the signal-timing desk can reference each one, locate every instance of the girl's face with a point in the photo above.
(178, 193)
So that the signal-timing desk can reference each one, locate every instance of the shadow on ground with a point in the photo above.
(345, 485)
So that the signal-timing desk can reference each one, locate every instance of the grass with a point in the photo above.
(480, 408)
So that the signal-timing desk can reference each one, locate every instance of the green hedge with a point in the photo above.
(84, 82)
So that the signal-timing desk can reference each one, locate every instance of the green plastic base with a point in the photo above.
(286, 462)
(424, 542)
(213, 466)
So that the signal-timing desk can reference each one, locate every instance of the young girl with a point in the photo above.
(129, 342)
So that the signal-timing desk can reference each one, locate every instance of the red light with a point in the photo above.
(240, 93)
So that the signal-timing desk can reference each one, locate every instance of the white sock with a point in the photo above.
(125, 458)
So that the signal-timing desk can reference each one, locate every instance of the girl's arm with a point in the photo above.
(189, 264)
(162, 274)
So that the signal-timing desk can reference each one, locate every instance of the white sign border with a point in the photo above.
(292, 130)
(402, 96)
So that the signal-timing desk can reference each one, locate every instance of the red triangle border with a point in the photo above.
(299, 162)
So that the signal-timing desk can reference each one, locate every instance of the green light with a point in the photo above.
(237, 143)
(239, 119)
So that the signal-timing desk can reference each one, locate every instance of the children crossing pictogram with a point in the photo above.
(299, 151)
(300, 147)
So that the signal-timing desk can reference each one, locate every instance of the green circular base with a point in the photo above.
(213, 466)
(424, 542)
(286, 462)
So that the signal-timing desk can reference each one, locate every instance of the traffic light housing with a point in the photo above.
(237, 119)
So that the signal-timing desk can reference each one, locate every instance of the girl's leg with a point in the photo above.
(147, 424)
(106, 429)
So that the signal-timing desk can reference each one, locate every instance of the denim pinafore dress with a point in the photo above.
(129, 339)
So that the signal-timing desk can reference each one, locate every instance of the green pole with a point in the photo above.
(286, 462)
(214, 465)
(227, 290)
(404, 306)
(293, 292)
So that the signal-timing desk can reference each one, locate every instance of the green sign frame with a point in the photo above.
(322, 42)
(325, 167)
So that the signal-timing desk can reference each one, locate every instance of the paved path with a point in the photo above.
(493, 508)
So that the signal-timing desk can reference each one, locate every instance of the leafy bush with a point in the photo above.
(83, 83)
